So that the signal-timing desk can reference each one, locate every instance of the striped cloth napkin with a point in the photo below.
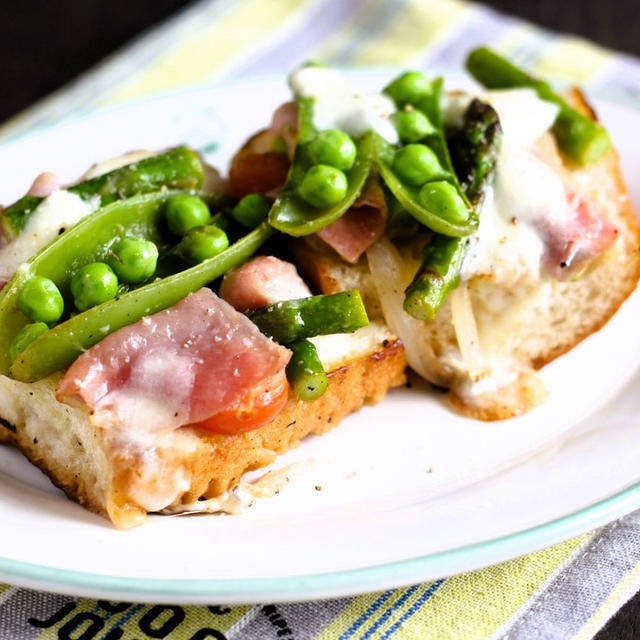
(567, 591)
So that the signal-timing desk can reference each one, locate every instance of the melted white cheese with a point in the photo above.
(505, 248)
(523, 116)
(337, 349)
(60, 210)
(337, 106)
(508, 244)
(239, 498)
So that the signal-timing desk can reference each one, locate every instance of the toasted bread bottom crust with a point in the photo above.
(95, 471)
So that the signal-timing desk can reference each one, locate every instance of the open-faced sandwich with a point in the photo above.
(157, 342)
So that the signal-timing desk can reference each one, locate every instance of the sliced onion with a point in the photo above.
(391, 276)
(464, 324)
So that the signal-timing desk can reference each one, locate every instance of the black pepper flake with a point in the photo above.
(35, 441)
(61, 231)
(385, 343)
(564, 264)
(7, 425)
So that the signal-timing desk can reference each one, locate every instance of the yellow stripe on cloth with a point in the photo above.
(471, 606)
(232, 34)
(413, 30)
(474, 605)
(624, 590)
(573, 60)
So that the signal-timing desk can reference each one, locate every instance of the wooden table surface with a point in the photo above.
(46, 44)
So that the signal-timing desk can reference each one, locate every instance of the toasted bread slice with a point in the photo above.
(528, 323)
(124, 479)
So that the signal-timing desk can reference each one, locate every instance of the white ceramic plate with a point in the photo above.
(409, 489)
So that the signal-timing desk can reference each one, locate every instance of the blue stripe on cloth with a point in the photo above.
(387, 614)
(366, 615)
(128, 615)
(414, 607)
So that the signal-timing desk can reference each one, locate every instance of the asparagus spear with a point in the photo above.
(305, 371)
(438, 274)
(474, 152)
(178, 168)
(582, 139)
(294, 320)
(474, 149)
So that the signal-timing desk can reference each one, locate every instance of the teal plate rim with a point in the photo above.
(323, 585)
(290, 588)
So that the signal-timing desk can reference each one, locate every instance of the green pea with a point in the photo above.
(333, 147)
(408, 88)
(202, 243)
(185, 212)
(251, 210)
(415, 164)
(40, 300)
(93, 284)
(412, 125)
(442, 199)
(323, 186)
(133, 259)
(25, 337)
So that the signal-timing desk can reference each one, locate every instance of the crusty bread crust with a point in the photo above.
(112, 478)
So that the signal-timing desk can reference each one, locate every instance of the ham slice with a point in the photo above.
(44, 184)
(262, 281)
(353, 233)
(259, 166)
(179, 366)
(575, 239)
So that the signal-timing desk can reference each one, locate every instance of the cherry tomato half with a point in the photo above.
(257, 407)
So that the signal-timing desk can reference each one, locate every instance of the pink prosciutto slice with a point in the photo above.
(44, 184)
(262, 281)
(572, 241)
(353, 233)
(179, 366)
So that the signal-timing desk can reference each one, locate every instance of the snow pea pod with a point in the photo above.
(290, 213)
(87, 241)
(60, 346)
(178, 168)
(408, 195)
